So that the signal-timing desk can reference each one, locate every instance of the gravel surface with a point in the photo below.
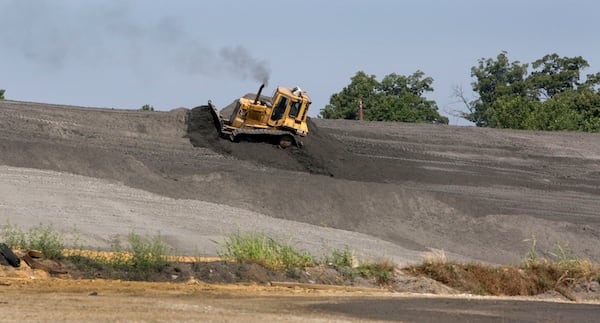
(384, 189)
(93, 212)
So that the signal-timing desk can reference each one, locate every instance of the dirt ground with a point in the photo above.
(57, 300)
(385, 190)
(474, 193)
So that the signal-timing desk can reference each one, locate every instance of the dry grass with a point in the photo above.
(531, 278)
(534, 276)
(107, 255)
(478, 278)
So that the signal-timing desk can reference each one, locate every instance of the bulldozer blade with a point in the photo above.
(217, 119)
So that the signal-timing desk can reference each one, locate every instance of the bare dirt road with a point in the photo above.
(77, 301)
(384, 189)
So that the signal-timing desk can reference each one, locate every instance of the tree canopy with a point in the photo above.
(147, 107)
(550, 97)
(395, 98)
(1, 94)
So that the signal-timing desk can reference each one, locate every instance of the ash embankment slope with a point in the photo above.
(472, 192)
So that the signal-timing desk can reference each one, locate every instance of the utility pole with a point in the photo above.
(360, 110)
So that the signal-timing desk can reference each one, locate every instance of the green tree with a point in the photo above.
(147, 107)
(495, 79)
(510, 111)
(553, 115)
(583, 101)
(551, 97)
(1, 94)
(344, 105)
(395, 98)
(553, 74)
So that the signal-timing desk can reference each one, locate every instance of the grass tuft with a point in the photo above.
(139, 259)
(271, 254)
(382, 271)
(265, 251)
(340, 258)
(346, 264)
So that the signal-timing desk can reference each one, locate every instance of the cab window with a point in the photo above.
(295, 109)
(304, 111)
(279, 108)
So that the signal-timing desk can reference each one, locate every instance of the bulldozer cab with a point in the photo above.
(289, 110)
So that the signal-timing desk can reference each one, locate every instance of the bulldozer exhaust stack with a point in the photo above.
(259, 92)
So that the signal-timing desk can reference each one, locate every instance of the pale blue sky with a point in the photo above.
(125, 54)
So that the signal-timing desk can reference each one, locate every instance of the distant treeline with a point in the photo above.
(552, 95)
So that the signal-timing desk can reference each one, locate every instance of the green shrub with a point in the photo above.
(343, 261)
(140, 258)
(382, 271)
(265, 251)
(47, 240)
(340, 258)
(13, 236)
(43, 238)
(273, 255)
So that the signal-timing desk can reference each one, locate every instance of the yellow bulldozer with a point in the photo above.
(279, 119)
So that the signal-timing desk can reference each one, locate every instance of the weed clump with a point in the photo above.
(344, 262)
(141, 256)
(381, 271)
(138, 259)
(276, 256)
(265, 251)
(42, 237)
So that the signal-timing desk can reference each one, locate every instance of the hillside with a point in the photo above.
(384, 189)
